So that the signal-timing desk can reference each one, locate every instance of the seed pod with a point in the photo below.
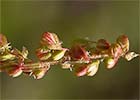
(123, 42)
(110, 62)
(43, 54)
(93, 68)
(77, 52)
(102, 44)
(51, 40)
(15, 71)
(58, 54)
(115, 50)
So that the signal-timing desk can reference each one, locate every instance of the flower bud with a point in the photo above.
(102, 44)
(58, 54)
(110, 62)
(50, 40)
(77, 52)
(81, 71)
(93, 68)
(123, 42)
(15, 71)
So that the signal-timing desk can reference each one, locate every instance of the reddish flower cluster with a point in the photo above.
(83, 57)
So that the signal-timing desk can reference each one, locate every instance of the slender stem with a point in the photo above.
(90, 41)
(36, 65)
(47, 63)
(39, 64)
(99, 56)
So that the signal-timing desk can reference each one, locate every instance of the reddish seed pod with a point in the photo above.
(15, 71)
(81, 71)
(102, 44)
(123, 41)
(115, 50)
(77, 52)
(43, 54)
(51, 40)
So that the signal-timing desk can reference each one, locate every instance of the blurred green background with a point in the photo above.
(23, 22)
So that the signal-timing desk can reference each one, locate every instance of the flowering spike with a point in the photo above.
(84, 56)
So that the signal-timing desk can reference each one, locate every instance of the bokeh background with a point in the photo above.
(24, 21)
